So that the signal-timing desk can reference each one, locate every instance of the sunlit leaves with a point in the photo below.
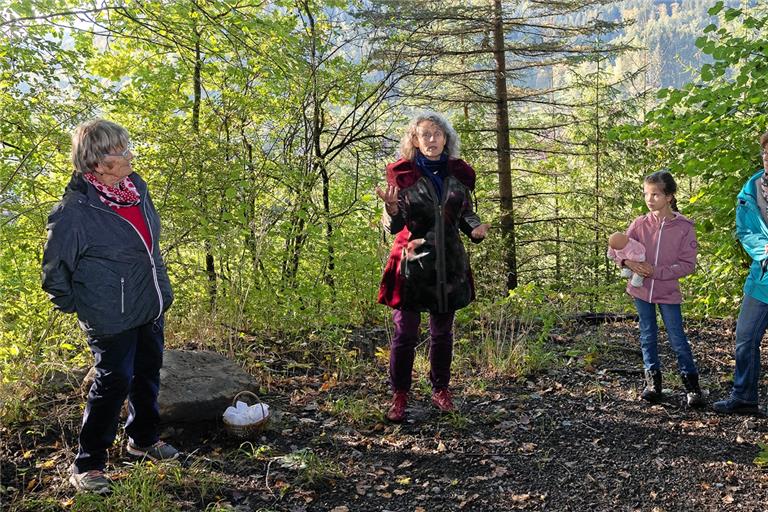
(708, 130)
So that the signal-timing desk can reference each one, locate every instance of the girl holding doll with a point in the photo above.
(670, 245)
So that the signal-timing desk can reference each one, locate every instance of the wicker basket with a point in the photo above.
(249, 429)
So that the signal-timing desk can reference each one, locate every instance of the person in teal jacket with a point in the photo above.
(752, 231)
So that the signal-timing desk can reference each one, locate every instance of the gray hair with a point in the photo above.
(408, 151)
(94, 139)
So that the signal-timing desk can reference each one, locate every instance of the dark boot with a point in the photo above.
(652, 391)
(692, 390)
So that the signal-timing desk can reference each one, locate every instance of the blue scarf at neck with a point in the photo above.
(435, 170)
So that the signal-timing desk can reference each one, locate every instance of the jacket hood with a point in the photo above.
(747, 192)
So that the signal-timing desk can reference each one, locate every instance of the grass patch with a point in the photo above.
(36, 505)
(142, 490)
(311, 470)
(761, 460)
(455, 420)
(357, 411)
(147, 487)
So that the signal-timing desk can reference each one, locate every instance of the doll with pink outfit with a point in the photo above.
(621, 247)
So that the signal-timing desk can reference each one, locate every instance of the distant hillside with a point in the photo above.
(667, 29)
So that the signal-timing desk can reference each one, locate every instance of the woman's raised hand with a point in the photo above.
(389, 196)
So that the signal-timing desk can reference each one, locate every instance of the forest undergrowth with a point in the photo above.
(548, 418)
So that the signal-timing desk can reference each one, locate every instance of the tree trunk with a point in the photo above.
(503, 151)
(251, 240)
(319, 163)
(210, 266)
(597, 251)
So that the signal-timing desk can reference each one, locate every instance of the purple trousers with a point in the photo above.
(403, 348)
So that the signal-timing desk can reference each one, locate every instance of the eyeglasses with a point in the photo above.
(127, 151)
(428, 135)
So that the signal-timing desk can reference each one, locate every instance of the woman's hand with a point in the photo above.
(644, 269)
(480, 231)
(389, 197)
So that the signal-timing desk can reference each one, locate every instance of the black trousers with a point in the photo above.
(127, 364)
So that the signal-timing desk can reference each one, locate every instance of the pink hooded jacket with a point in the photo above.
(671, 247)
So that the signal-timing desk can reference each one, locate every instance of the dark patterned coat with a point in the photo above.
(428, 268)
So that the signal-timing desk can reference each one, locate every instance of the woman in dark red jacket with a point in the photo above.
(427, 201)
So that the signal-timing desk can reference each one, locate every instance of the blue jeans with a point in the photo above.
(127, 364)
(649, 335)
(750, 327)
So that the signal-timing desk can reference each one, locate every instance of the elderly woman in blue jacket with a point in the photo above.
(752, 231)
(102, 261)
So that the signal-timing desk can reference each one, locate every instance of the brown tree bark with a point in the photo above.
(210, 266)
(503, 156)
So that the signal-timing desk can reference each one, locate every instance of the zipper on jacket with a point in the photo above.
(442, 296)
(149, 252)
(151, 259)
(122, 295)
(656, 258)
(443, 278)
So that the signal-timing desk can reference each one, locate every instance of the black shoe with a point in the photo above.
(735, 406)
(693, 395)
(652, 391)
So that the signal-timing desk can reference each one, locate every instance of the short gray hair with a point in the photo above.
(94, 139)
(407, 150)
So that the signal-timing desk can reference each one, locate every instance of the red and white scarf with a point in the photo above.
(121, 195)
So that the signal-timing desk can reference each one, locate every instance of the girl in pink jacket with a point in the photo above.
(670, 245)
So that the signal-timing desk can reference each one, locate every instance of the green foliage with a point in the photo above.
(512, 334)
(761, 460)
(263, 128)
(707, 134)
(255, 453)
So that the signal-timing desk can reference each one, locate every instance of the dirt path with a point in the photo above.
(575, 438)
